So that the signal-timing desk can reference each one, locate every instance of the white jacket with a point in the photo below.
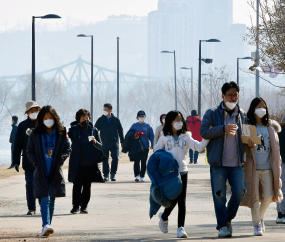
(180, 148)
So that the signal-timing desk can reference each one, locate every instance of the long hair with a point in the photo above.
(167, 129)
(40, 127)
(251, 112)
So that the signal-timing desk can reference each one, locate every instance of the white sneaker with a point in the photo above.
(258, 230)
(181, 233)
(280, 220)
(142, 179)
(224, 232)
(163, 225)
(262, 225)
(47, 230)
(137, 178)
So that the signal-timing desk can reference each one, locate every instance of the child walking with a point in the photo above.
(262, 167)
(177, 141)
(47, 149)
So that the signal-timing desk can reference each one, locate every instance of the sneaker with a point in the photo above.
(163, 225)
(224, 232)
(113, 177)
(47, 230)
(262, 225)
(195, 162)
(142, 179)
(181, 233)
(83, 210)
(10, 167)
(137, 178)
(258, 230)
(191, 162)
(74, 210)
(280, 220)
(106, 178)
(230, 227)
(31, 212)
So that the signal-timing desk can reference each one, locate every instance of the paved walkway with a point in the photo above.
(119, 211)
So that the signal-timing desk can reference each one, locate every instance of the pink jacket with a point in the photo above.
(275, 162)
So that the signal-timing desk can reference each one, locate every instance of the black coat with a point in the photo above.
(75, 156)
(133, 146)
(110, 132)
(56, 183)
(281, 136)
(20, 145)
(13, 133)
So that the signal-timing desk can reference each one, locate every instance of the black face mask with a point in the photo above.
(85, 124)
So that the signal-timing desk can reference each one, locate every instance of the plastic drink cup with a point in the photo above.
(233, 132)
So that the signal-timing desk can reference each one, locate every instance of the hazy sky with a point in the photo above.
(18, 12)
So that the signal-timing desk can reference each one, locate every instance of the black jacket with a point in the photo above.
(133, 146)
(281, 136)
(54, 185)
(13, 133)
(75, 156)
(21, 142)
(110, 132)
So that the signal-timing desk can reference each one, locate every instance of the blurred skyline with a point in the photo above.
(17, 13)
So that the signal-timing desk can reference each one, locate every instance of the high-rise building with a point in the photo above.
(180, 24)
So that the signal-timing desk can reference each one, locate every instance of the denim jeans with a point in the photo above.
(193, 155)
(31, 201)
(115, 159)
(47, 208)
(140, 171)
(12, 150)
(219, 176)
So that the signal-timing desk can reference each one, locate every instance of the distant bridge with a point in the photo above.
(80, 76)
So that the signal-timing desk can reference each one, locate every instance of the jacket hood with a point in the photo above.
(275, 125)
(181, 135)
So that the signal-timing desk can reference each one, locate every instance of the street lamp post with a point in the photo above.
(200, 67)
(244, 58)
(185, 68)
(118, 76)
(83, 35)
(257, 50)
(173, 52)
(34, 52)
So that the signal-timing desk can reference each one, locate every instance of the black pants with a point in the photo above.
(181, 200)
(82, 187)
(140, 171)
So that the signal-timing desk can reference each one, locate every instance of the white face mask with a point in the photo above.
(229, 105)
(178, 125)
(33, 116)
(141, 120)
(260, 112)
(105, 113)
(49, 123)
(163, 121)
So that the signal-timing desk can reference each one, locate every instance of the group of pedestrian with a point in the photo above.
(252, 170)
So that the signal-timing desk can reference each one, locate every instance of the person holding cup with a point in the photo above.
(262, 169)
(225, 151)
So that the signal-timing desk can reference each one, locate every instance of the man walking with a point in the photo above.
(222, 126)
(110, 129)
(12, 137)
(194, 124)
(32, 110)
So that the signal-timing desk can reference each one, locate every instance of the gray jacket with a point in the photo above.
(215, 117)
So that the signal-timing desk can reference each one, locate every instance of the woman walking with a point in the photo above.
(177, 141)
(84, 167)
(47, 149)
(262, 167)
(281, 206)
(158, 130)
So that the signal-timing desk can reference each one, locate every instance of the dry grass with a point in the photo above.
(4, 172)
